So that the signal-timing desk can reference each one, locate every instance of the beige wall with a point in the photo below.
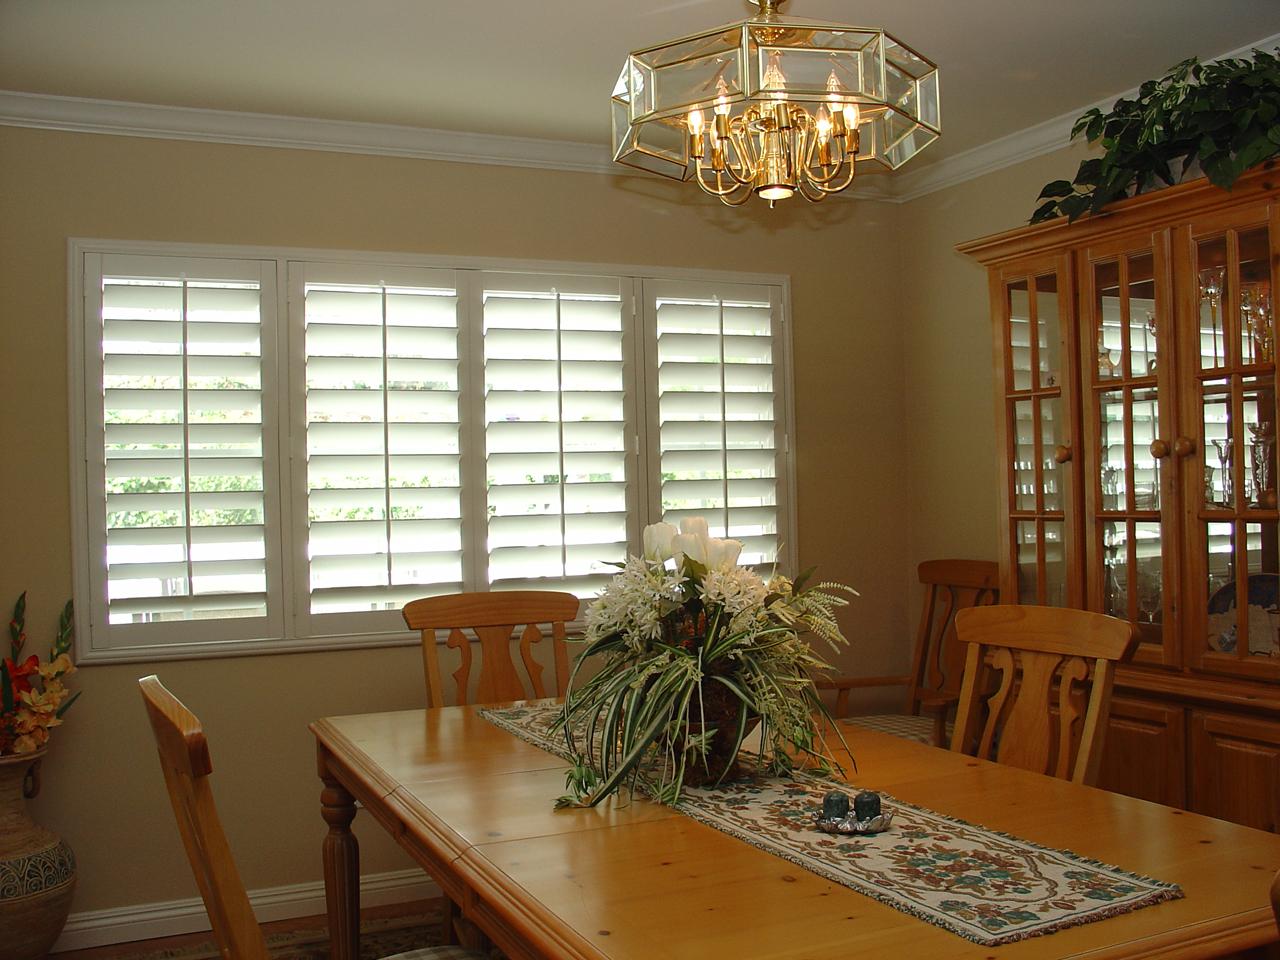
(102, 787)
(950, 449)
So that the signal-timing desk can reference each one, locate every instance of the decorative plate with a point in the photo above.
(1264, 615)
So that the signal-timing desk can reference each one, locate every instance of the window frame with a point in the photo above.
(288, 445)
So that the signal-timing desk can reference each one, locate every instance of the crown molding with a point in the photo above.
(1026, 144)
(154, 121)
(79, 115)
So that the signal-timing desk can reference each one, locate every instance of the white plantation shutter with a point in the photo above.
(558, 430)
(382, 484)
(180, 437)
(714, 407)
(409, 431)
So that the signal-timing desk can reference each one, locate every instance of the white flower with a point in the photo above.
(657, 541)
(695, 527)
(687, 545)
(739, 591)
(723, 554)
(694, 541)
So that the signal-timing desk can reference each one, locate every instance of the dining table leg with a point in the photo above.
(341, 866)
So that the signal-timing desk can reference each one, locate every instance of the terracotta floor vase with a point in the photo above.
(37, 869)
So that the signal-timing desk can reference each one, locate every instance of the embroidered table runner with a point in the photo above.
(986, 886)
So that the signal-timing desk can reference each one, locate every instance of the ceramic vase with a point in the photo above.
(37, 869)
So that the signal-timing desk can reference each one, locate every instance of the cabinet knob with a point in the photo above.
(1159, 449)
(1062, 453)
(1182, 447)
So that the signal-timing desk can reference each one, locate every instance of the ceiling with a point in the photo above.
(546, 69)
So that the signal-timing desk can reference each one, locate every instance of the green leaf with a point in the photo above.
(1056, 188)
(66, 631)
(1075, 207)
(1046, 211)
(6, 690)
(16, 625)
(798, 583)
(66, 704)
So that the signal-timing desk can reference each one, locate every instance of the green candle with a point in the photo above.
(835, 805)
(866, 805)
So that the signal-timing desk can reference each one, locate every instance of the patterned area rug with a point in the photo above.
(986, 886)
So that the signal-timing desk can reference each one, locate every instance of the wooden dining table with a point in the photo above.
(634, 880)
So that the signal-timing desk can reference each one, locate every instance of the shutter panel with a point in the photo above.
(557, 411)
(383, 523)
(715, 416)
(185, 458)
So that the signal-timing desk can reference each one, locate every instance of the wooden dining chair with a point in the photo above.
(493, 618)
(184, 760)
(937, 662)
(1049, 708)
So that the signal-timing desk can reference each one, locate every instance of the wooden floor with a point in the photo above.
(291, 935)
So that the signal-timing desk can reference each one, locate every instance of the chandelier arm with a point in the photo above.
(728, 199)
(816, 197)
(718, 190)
(822, 179)
(811, 173)
(747, 160)
(842, 185)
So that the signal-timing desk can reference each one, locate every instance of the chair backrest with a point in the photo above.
(1029, 724)
(184, 759)
(494, 617)
(938, 660)
(1275, 898)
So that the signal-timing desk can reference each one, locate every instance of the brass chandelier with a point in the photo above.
(774, 106)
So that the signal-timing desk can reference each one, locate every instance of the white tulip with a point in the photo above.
(657, 541)
(691, 546)
(723, 554)
(695, 526)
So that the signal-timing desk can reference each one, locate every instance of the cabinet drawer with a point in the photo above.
(1235, 768)
(1145, 754)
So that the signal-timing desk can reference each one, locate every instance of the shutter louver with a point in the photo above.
(555, 432)
(717, 425)
(382, 435)
(183, 443)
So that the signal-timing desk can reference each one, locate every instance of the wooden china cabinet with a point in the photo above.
(1136, 406)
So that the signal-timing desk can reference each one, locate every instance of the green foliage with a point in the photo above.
(1224, 115)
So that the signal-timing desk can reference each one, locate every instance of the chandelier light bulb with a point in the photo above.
(775, 80)
(695, 122)
(852, 116)
(722, 98)
(823, 123)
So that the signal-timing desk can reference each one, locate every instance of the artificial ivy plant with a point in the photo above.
(1224, 115)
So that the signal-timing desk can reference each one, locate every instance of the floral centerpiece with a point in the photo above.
(690, 652)
(33, 694)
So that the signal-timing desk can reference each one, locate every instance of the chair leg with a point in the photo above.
(452, 917)
(460, 931)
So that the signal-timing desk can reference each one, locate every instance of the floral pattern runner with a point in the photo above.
(986, 886)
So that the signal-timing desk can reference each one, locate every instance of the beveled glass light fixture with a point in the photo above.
(774, 106)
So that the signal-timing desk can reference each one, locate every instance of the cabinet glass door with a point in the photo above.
(1128, 351)
(1236, 550)
(1038, 435)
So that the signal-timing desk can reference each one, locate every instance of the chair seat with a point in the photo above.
(439, 953)
(906, 726)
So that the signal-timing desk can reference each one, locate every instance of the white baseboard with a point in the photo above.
(96, 928)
